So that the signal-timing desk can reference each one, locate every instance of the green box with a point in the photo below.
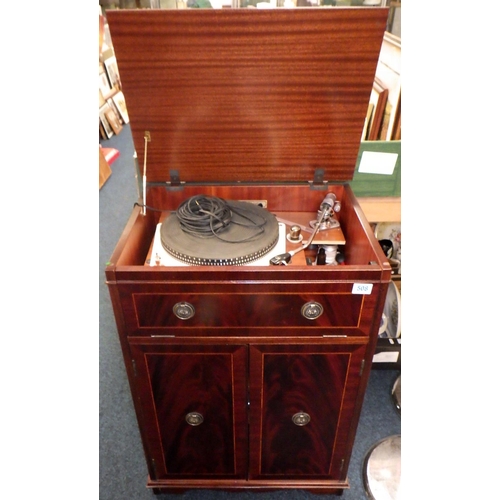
(368, 184)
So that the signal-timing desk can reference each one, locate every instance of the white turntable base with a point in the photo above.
(160, 257)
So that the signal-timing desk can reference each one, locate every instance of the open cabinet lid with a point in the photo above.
(247, 95)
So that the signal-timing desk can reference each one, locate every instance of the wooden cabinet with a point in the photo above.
(221, 412)
(248, 376)
(248, 392)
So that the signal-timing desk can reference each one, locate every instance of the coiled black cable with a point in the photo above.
(208, 216)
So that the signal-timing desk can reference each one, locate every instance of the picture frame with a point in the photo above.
(113, 106)
(112, 70)
(386, 119)
(102, 131)
(104, 85)
(113, 120)
(396, 131)
(101, 99)
(119, 100)
(368, 119)
(106, 127)
(388, 75)
(379, 99)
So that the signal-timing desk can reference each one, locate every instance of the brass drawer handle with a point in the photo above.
(183, 310)
(302, 418)
(194, 418)
(312, 310)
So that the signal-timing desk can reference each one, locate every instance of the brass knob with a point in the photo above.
(312, 310)
(301, 418)
(193, 418)
(294, 235)
(183, 310)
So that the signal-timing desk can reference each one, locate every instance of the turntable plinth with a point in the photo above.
(333, 236)
(249, 376)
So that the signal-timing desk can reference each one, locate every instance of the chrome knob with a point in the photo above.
(301, 418)
(312, 310)
(194, 418)
(183, 310)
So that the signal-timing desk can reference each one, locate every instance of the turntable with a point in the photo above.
(206, 230)
(206, 255)
(211, 231)
(247, 373)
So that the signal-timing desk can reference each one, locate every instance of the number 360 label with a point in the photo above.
(362, 288)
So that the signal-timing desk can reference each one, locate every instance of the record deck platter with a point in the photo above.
(211, 231)
(160, 257)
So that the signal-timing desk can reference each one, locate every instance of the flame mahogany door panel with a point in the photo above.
(302, 399)
(193, 402)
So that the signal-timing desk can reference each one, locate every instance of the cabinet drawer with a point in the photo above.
(264, 310)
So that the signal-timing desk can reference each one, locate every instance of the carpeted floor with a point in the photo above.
(122, 467)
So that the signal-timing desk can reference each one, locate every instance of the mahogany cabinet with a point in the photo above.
(247, 411)
(248, 376)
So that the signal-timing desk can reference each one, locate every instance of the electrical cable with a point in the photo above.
(208, 216)
(141, 205)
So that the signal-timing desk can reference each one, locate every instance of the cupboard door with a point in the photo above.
(193, 408)
(302, 402)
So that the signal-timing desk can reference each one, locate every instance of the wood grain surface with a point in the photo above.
(247, 94)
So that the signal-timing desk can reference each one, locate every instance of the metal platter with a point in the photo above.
(251, 233)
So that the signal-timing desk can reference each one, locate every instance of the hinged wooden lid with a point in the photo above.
(248, 95)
